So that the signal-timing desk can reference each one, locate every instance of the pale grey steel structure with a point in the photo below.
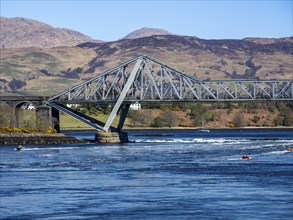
(146, 80)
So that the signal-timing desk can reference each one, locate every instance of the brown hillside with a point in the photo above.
(205, 59)
(23, 32)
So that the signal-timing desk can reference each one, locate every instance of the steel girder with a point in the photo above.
(156, 81)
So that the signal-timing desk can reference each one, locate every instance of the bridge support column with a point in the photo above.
(15, 119)
(111, 137)
(44, 119)
(55, 119)
(123, 115)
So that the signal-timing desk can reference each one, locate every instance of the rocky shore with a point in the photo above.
(37, 139)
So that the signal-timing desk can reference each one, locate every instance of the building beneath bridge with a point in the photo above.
(135, 106)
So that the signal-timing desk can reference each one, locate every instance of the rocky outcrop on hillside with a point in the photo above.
(23, 32)
(146, 32)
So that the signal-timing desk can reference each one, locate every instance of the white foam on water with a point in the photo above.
(195, 140)
(277, 144)
(277, 152)
(47, 148)
(29, 149)
(233, 159)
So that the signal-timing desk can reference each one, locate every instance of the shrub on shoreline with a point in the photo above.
(7, 130)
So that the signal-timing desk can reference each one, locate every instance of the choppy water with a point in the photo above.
(178, 175)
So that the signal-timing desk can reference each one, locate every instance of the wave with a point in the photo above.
(272, 142)
(195, 140)
(280, 144)
(239, 158)
(277, 152)
(46, 148)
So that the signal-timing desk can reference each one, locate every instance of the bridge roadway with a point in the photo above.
(16, 98)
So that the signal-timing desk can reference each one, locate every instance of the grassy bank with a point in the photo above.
(68, 123)
(229, 115)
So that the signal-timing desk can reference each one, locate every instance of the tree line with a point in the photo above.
(218, 114)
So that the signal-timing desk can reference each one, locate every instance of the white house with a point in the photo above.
(28, 106)
(31, 107)
(135, 106)
(72, 105)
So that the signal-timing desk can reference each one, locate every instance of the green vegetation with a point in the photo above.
(99, 113)
(213, 115)
(39, 55)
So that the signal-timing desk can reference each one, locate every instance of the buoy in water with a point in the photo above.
(19, 147)
(245, 157)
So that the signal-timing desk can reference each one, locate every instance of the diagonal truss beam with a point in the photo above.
(123, 93)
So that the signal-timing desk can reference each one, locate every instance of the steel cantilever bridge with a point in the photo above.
(146, 80)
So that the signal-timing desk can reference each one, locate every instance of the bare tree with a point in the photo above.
(170, 118)
(139, 117)
(5, 116)
(238, 120)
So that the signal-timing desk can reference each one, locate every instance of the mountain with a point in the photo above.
(22, 32)
(146, 32)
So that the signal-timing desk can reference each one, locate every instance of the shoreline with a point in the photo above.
(61, 138)
(175, 128)
(37, 139)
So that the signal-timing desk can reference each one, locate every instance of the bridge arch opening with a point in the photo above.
(24, 115)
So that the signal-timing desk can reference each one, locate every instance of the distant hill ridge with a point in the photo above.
(22, 32)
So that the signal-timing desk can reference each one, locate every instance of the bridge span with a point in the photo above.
(146, 80)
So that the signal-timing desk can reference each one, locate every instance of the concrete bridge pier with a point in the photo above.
(43, 117)
(111, 137)
(47, 116)
(116, 136)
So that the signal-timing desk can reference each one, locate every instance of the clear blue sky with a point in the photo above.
(111, 20)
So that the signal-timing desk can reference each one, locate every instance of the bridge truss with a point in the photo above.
(146, 80)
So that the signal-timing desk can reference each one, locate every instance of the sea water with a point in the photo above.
(160, 174)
